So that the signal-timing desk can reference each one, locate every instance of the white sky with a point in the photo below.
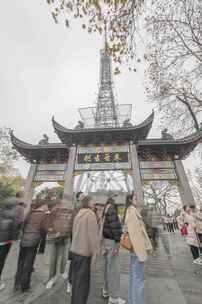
(48, 70)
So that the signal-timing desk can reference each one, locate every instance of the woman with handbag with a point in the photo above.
(136, 240)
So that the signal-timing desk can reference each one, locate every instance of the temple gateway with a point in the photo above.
(105, 140)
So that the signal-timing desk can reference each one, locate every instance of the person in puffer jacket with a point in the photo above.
(112, 231)
(33, 232)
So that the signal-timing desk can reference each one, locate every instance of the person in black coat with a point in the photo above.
(112, 231)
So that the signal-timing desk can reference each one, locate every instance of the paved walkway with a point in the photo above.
(169, 279)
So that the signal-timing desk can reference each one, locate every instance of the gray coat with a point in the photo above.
(11, 220)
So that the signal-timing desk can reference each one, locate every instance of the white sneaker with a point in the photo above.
(2, 286)
(69, 288)
(65, 275)
(198, 261)
(105, 294)
(116, 301)
(51, 282)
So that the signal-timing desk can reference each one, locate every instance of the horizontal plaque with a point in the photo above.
(49, 175)
(156, 164)
(159, 177)
(109, 157)
(102, 166)
(51, 167)
(103, 149)
(158, 174)
(103, 157)
(48, 178)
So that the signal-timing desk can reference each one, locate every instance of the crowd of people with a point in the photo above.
(84, 236)
(89, 237)
(170, 223)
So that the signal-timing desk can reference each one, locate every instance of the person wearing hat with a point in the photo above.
(33, 231)
(11, 220)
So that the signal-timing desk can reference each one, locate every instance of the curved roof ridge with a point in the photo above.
(22, 144)
(196, 136)
(146, 122)
(18, 142)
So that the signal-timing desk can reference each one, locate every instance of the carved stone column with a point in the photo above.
(137, 182)
(28, 187)
(69, 178)
(183, 184)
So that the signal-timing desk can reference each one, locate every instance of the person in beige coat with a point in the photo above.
(191, 238)
(141, 248)
(84, 250)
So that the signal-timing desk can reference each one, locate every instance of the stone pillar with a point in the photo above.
(78, 186)
(183, 184)
(28, 187)
(137, 182)
(69, 178)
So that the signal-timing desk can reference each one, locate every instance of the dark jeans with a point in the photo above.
(170, 227)
(155, 237)
(26, 260)
(200, 237)
(4, 250)
(80, 279)
(194, 251)
(42, 246)
(70, 273)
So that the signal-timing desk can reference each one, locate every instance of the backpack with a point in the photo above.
(60, 222)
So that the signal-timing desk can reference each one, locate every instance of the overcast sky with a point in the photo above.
(48, 70)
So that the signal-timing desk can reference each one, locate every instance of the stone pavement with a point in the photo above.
(169, 279)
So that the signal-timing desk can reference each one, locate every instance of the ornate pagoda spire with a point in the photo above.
(106, 110)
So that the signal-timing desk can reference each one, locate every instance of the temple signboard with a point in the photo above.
(103, 158)
(50, 172)
(157, 170)
(158, 174)
(156, 164)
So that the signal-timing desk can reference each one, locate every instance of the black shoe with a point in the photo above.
(25, 289)
(16, 288)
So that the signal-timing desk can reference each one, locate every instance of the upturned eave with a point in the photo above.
(103, 135)
(175, 148)
(35, 153)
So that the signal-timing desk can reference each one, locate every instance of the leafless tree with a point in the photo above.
(162, 197)
(195, 178)
(8, 155)
(175, 61)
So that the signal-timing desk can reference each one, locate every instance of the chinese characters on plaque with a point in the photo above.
(103, 158)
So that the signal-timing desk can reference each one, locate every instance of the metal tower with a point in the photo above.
(106, 110)
(105, 114)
